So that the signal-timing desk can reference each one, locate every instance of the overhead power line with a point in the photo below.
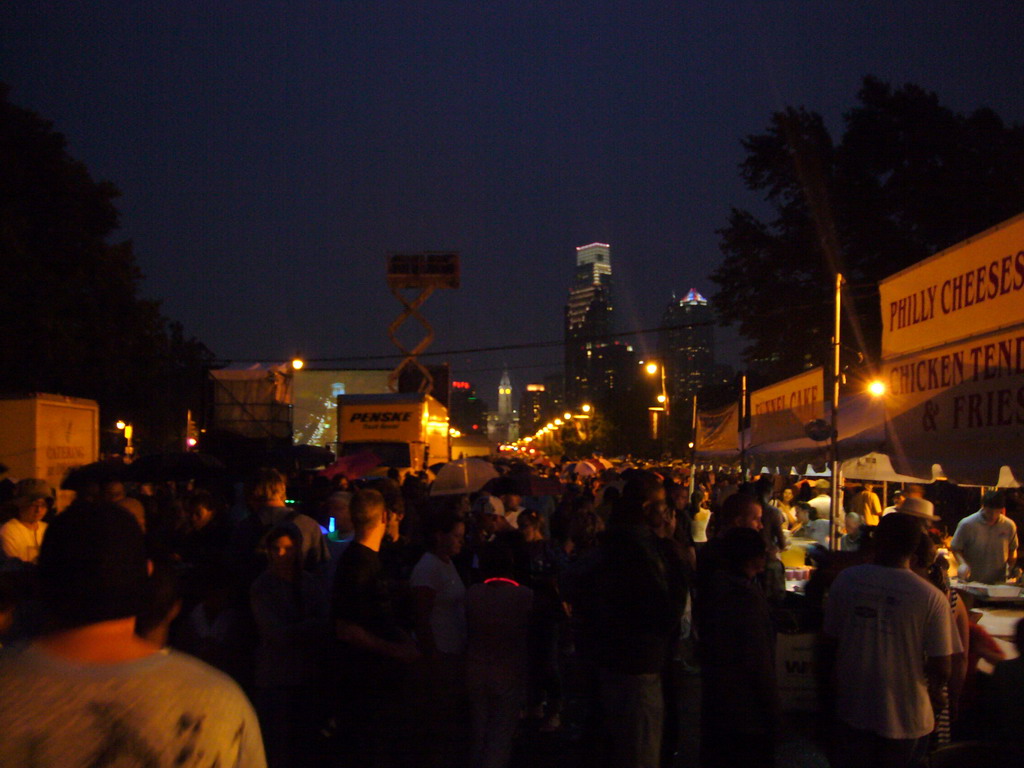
(470, 350)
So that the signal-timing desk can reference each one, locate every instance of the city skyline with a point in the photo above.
(262, 193)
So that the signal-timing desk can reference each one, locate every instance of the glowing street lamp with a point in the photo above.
(877, 388)
(129, 432)
(297, 364)
(586, 408)
(652, 369)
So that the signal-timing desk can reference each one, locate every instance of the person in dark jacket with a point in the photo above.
(639, 607)
(740, 707)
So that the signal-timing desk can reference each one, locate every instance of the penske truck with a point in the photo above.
(407, 431)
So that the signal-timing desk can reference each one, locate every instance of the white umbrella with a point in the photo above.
(581, 468)
(462, 476)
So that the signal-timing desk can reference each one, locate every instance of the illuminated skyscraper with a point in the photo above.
(533, 408)
(588, 319)
(688, 344)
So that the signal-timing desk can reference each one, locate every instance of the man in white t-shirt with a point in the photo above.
(897, 502)
(90, 691)
(891, 635)
(22, 535)
(822, 501)
(985, 543)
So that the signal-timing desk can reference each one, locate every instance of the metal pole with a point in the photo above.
(693, 448)
(836, 377)
(743, 420)
(665, 439)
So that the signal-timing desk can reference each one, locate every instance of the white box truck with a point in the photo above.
(408, 431)
(45, 435)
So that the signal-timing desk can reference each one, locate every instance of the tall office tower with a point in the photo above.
(687, 344)
(468, 413)
(588, 319)
(531, 409)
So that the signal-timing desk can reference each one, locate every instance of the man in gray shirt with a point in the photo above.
(90, 692)
(986, 542)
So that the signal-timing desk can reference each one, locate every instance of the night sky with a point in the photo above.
(271, 154)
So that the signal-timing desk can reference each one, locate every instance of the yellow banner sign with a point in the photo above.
(781, 411)
(972, 288)
(961, 406)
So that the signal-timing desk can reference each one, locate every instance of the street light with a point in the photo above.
(129, 432)
(653, 368)
(297, 364)
(876, 388)
(586, 408)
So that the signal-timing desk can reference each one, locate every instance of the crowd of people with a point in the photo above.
(370, 623)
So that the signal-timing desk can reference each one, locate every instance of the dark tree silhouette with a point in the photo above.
(909, 178)
(72, 321)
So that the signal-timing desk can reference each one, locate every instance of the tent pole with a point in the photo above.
(743, 419)
(693, 448)
(836, 377)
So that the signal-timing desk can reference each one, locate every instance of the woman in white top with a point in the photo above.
(439, 597)
(21, 536)
(785, 503)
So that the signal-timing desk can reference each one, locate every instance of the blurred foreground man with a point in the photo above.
(90, 692)
(890, 634)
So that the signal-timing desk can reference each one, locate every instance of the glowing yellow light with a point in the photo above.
(661, 398)
(297, 364)
(652, 367)
(558, 422)
(566, 415)
(877, 388)
(120, 425)
(191, 442)
(586, 408)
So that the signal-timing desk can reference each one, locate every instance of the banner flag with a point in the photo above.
(718, 430)
(781, 411)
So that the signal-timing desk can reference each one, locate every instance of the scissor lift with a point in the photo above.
(424, 273)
